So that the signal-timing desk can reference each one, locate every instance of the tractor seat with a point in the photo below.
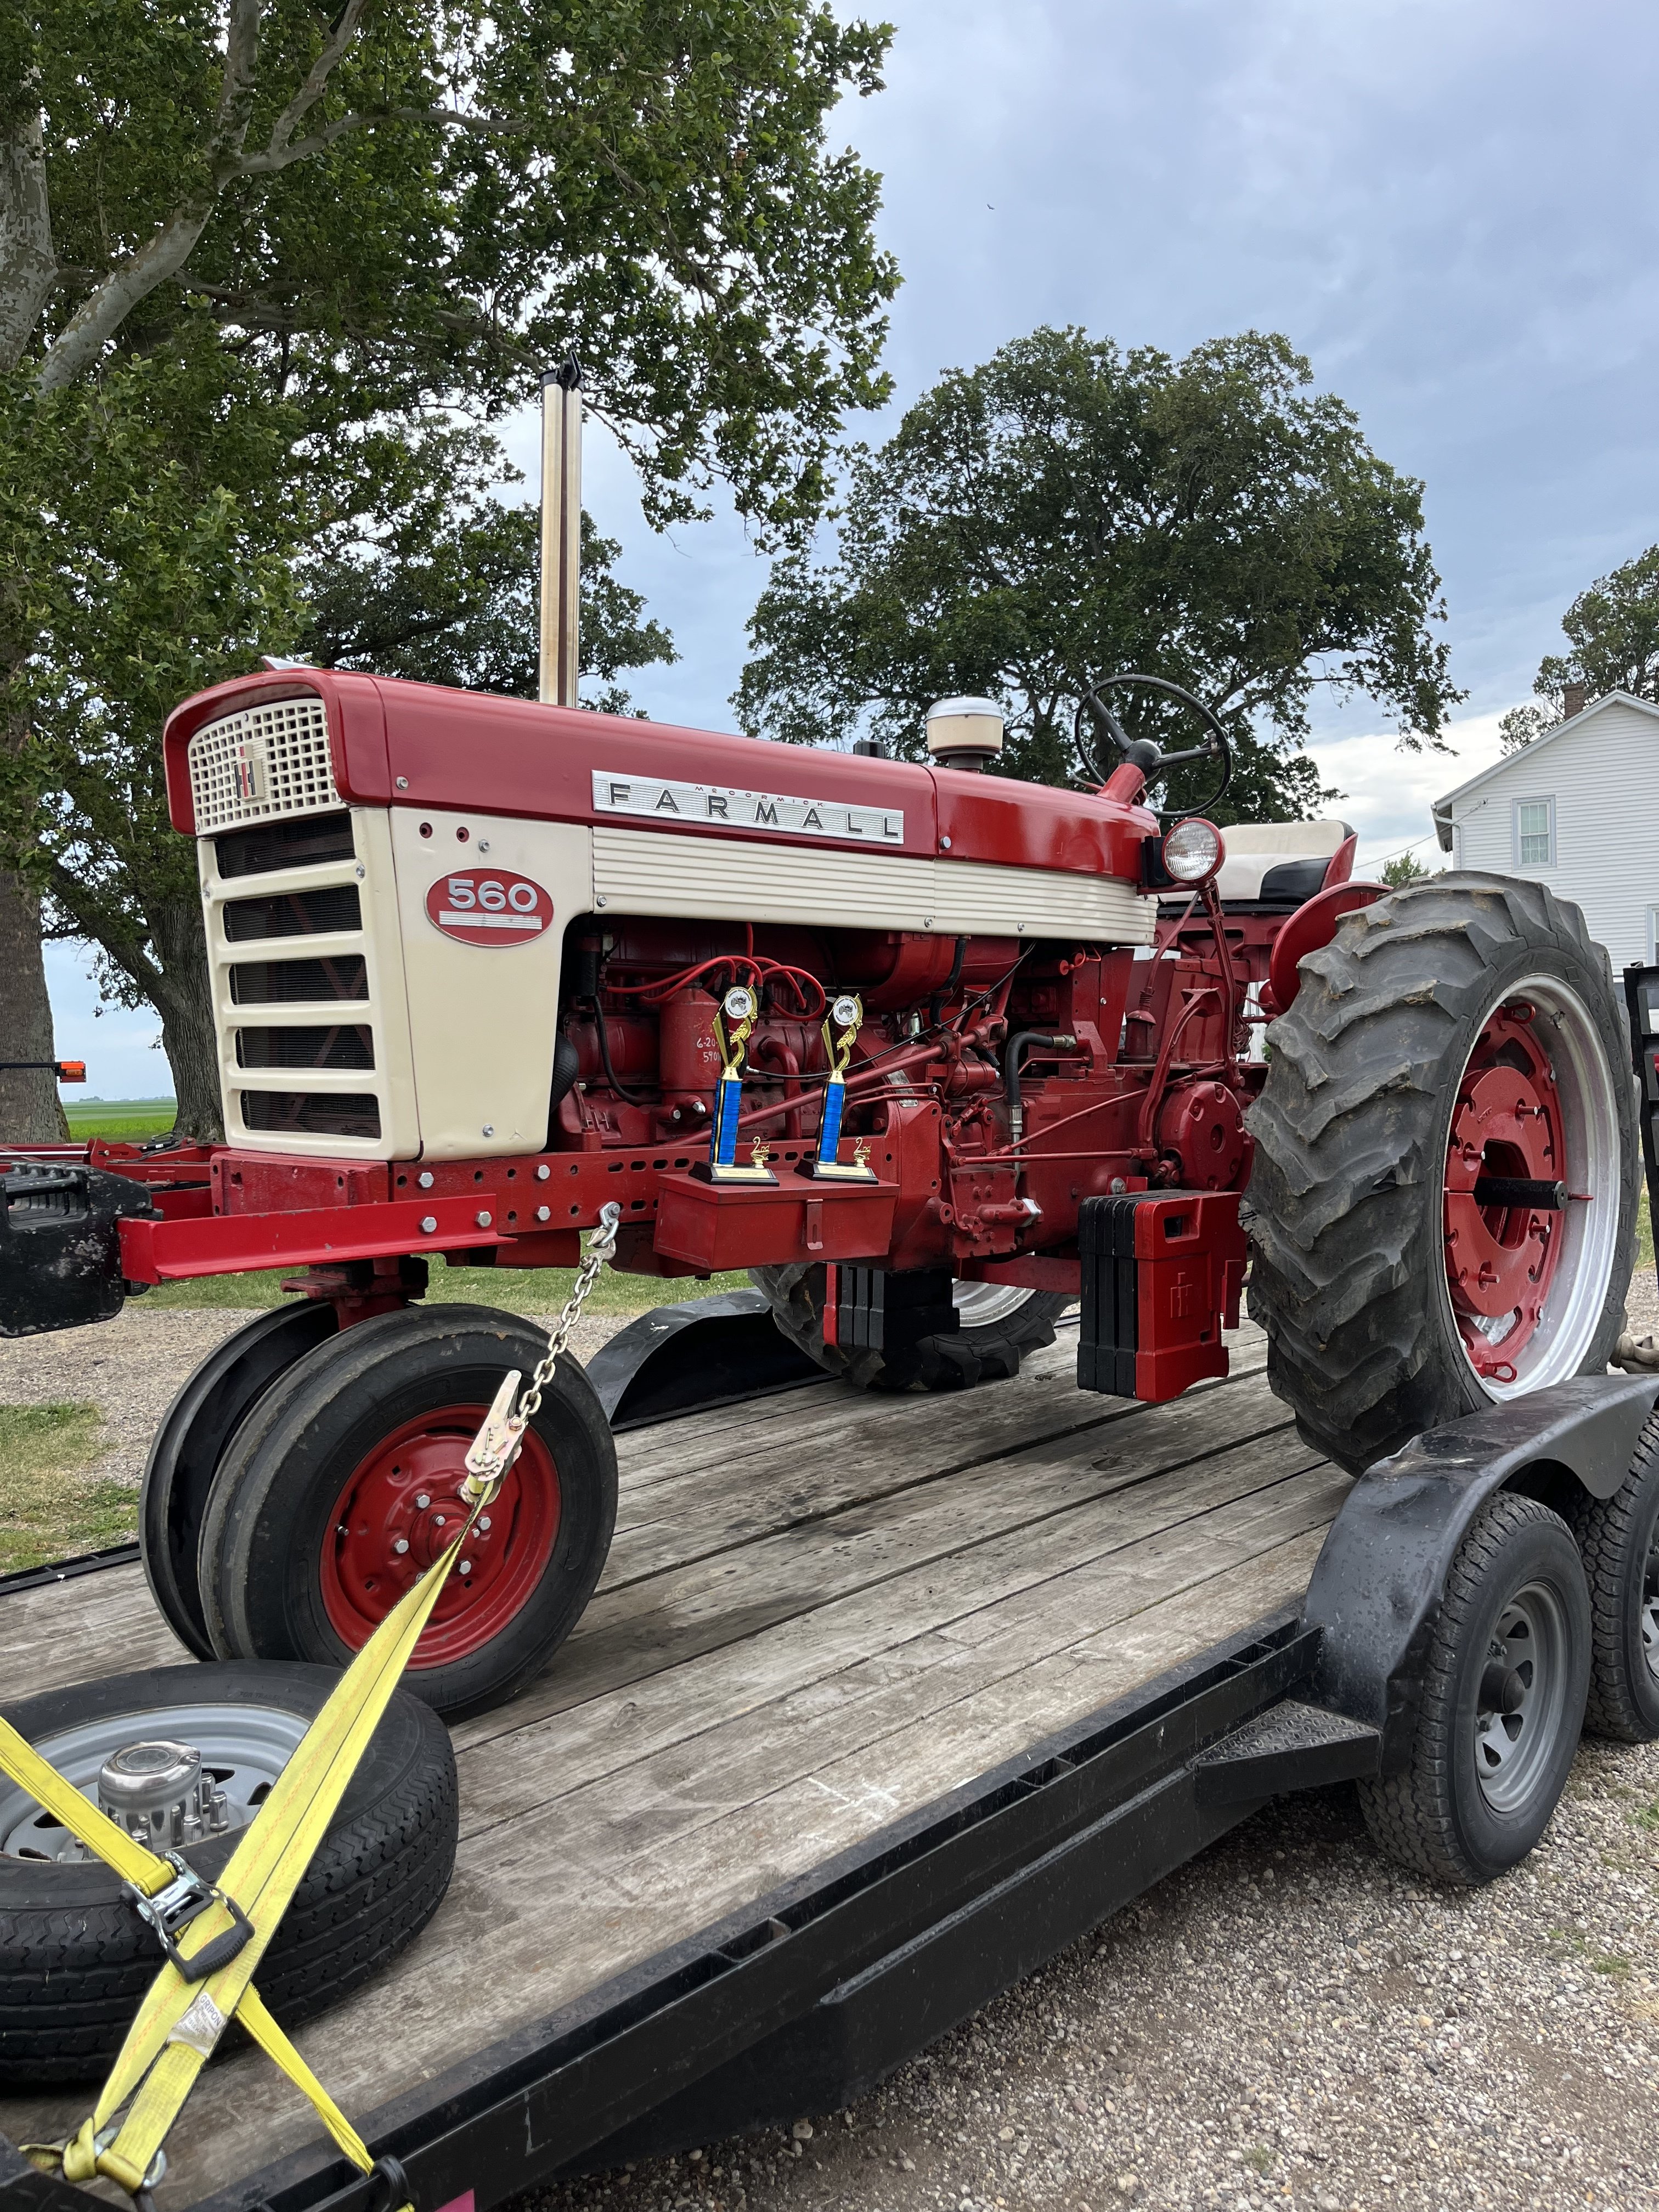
(1280, 863)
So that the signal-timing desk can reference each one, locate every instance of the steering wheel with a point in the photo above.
(1142, 752)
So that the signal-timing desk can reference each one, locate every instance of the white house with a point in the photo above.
(1578, 810)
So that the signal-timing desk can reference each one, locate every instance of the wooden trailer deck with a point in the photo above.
(821, 1611)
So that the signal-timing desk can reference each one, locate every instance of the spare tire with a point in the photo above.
(75, 1959)
(999, 1324)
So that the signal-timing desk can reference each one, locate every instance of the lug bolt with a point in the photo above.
(437, 1519)
(483, 1525)
(422, 1503)
(466, 1566)
(401, 1546)
(544, 1213)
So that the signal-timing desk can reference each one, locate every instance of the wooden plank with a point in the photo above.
(99, 1624)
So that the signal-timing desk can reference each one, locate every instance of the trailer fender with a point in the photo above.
(683, 1358)
(1375, 1591)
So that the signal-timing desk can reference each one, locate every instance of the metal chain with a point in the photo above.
(600, 1247)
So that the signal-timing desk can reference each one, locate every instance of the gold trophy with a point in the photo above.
(846, 1014)
(733, 1025)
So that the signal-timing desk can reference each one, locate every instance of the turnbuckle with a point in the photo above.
(171, 1909)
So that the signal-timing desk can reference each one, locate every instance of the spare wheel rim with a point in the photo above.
(1528, 1289)
(244, 1747)
(399, 1509)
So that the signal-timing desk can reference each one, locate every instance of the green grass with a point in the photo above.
(514, 1290)
(120, 1120)
(48, 1509)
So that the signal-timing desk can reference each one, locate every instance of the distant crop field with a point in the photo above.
(120, 1120)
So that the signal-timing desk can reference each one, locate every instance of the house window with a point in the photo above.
(1534, 833)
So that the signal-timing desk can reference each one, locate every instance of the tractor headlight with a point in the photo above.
(1194, 851)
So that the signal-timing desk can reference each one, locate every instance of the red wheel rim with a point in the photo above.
(407, 1491)
(1501, 1259)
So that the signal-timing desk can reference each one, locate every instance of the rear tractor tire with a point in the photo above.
(999, 1324)
(1460, 1030)
(342, 1486)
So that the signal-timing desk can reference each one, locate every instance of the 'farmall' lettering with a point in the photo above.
(752, 809)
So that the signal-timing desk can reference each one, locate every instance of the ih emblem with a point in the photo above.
(250, 769)
(489, 906)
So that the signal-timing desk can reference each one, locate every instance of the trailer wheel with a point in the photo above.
(342, 1486)
(1619, 1539)
(191, 1442)
(1503, 1697)
(75, 1958)
(1000, 1325)
(1461, 1028)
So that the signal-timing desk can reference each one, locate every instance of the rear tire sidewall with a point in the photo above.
(1540, 1552)
(271, 1511)
(1615, 1536)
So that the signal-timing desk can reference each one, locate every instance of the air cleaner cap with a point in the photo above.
(964, 732)
(1194, 851)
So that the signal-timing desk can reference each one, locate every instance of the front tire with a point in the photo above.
(1461, 1028)
(1504, 1698)
(343, 1486)
(999, 1324)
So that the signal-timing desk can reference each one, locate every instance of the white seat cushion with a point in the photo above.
(1254, 848)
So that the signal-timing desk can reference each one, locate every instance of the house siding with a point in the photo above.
(1603, 778)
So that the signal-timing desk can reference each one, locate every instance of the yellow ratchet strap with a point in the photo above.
(180, 2020)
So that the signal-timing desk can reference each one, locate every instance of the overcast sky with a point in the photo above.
(1451, 206)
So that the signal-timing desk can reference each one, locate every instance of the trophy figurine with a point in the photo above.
(847, 1013)
(732, 1027)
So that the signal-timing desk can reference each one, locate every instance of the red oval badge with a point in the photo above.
(489, 906)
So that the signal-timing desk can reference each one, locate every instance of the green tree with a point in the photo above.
(1069, 510)
(1404, 868)
(1613, 645)
(368, 214)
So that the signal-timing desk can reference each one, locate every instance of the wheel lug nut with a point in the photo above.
(437, 1519)
(401, 1546)
(483, 1524)
(422, 1503)
(466, 1566)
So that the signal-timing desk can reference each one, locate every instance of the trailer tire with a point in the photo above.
(195, 1432)
(1619, 1539)
(338, 1489)
(1379, 1108)
(985, 1351)
(75, 1958)
(1475, 1798)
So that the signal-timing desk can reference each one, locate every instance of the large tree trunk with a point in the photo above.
(182, 996)
(30, 1113)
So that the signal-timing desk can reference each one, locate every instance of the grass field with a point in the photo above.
(48, 1509)
(514, 1290)
(120, 1120)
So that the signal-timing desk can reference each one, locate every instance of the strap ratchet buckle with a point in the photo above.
(185, 1899)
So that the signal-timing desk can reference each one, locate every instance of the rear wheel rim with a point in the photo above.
(987, 1306)
(1520, 1704)
(1648, 1608)
(1528, 1289)
(401, 1506)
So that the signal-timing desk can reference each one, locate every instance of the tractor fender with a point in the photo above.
(1310, 929)
(1377, 1585)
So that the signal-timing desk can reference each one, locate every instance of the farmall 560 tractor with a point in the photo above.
(932, 1052)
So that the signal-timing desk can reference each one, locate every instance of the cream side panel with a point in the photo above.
(481, 1019)
(714, 879)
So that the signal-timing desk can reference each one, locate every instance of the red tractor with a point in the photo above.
(932, 1052)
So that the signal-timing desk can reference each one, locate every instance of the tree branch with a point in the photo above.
(90, 329)
(28, 268)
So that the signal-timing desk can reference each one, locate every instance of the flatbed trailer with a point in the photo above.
(880, 1705)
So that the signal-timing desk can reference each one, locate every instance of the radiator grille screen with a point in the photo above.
(343, 1045)
(274, 845)
(297, 982)
(294, 913)
(262, 763)
(311, 1113)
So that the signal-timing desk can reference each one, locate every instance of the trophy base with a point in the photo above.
(715, 1171)
(836, 1172)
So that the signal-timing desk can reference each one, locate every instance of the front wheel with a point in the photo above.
(998, 1325)
(344, 1486)
(1504, 1698)
(1442, 1208)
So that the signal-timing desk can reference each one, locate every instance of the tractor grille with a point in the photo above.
(311, 842)
(311, 1113)
(299, 982)
(333, 912)
(260, 763)
(343, 1045)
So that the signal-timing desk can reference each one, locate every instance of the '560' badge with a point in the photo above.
(489, 907)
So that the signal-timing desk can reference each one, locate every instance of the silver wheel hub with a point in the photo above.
(1521, 1702)
(1649, 1609)
(170, 1777)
